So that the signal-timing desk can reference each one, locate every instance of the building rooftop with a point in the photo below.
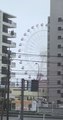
(8, 15)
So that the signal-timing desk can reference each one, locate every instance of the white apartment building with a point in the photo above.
(7, 33)
(55, 52)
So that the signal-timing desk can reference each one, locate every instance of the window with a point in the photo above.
(43, 90)
(62, 65)
(58, 102)
(29, 98)
(62, 95)
(12, 74)
(62, 85)
(17, 96)
(4, 60)
(19, 50)
(4, 80)
(13, 105)
(10, 91)
(59, 82)
(59, 73)
(34, 85)
(4, 70)
(48, 54)
(59, 46)
(16, 89)
(59, 19)
(5, 29)
(59, 64)
(62, 76)
(19, 99)
(25, 97)
(59, 37)
(59, 28)
(58, 91)
(4, 49)
(59, 54)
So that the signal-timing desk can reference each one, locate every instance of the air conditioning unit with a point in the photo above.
(12, 32)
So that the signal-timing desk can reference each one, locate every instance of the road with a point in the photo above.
(31, 118)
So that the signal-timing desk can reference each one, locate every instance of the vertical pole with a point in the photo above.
(22, 99)
(8, 77)
(38, 90)
(52, 107)
(38, 77)
(43, 116)
(38, 81)
(2, 111)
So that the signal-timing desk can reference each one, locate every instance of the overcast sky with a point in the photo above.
(28, 12)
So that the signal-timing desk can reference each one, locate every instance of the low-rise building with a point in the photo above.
(15, 97)
(43, 88)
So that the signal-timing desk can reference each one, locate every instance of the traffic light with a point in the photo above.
(34, 85)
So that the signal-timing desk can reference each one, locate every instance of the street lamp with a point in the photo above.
(38, 71)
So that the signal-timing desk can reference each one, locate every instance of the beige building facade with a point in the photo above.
(15, 97)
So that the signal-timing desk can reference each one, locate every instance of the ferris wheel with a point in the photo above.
(33, 51)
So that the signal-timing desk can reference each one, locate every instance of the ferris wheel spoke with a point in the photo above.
(33, 43)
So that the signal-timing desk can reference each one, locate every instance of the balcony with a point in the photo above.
(10, 34)
(4, 60)
(4, 80)
(13, 55)
(4, 70)
(6, 41)
(12, 45)
(9, 23)
(9, 43)
(4, 49)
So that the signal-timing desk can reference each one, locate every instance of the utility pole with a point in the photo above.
(22, 99)
(3, 101)
(38, 78)
(8, 82)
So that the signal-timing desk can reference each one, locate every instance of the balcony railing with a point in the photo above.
(10, 34)
(6, 41)
(13, 55)
(4, 49)
(4, 70)
(9, 22)
(4, 59)
(13, 45)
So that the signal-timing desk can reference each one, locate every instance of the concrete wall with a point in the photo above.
(56, 11)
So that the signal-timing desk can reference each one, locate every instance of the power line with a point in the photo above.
(30, 54)
(33, 61)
